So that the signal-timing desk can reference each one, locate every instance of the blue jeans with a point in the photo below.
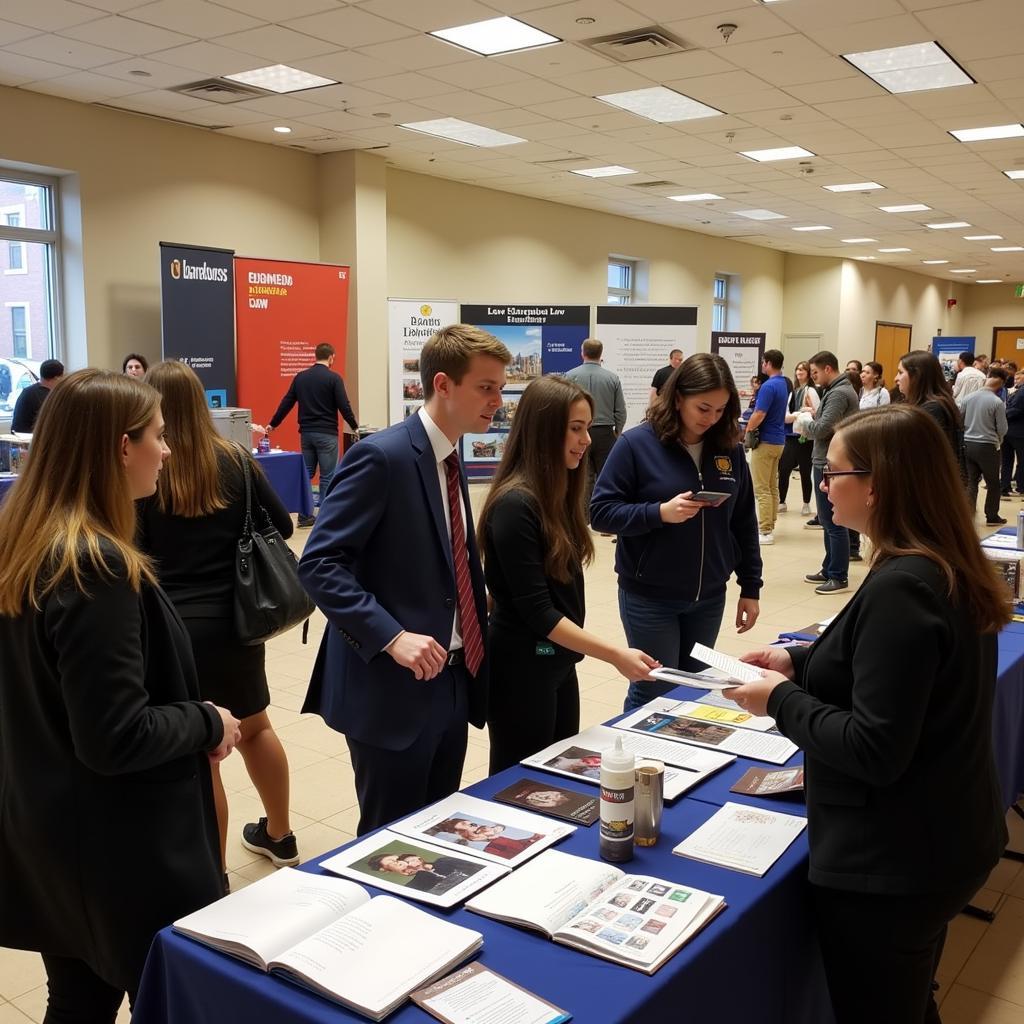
(836, 564)
(320, 450)
(667, 630)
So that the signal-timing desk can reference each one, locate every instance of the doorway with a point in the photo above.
(1008, 343)
(891, 342)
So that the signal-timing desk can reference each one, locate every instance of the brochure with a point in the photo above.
(327, 935)
(762, 782)
(567, 804)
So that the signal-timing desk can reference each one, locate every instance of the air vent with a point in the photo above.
(638, 45)
(654, 184)
(220, 90)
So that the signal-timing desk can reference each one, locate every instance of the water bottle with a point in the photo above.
(264, 445)
(1020, 529)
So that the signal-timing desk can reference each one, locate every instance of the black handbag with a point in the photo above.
(269, 598)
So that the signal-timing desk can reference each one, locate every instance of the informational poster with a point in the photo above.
(637, 341)
(947, 350)
(542, 339)
(284, 310)
(743, 353)
(197, 315)
(411, 323)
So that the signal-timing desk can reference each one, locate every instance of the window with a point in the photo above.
(15, 253)
(621, 281)
(720, 304)
(19, 330)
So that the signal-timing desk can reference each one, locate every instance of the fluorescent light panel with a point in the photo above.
(281, 78)
(466, 132)
(998, 131)
(905, 208)
(934, 263)
(759, 214)
(782, 153)
(604, 172)
(1014, 175)
(894, 250)
(948, 224)
(969, 271)
(989, 280)
(865, 257)
(857, 241)
(858, 186)
(814, 227)
(983, 238)
(1008, 248)
(660, 104)
(912, 68)
(496, 35)
(696, 197)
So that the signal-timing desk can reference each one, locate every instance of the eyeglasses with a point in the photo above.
(827, 474)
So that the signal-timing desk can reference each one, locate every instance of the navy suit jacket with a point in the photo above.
(379, 561)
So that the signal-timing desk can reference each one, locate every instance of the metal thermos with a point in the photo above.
(650, 802)
(1020, 529)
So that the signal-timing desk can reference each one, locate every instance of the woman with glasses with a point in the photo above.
(892, 706)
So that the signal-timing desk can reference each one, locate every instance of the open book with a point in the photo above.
(633, 920)
(327, 935)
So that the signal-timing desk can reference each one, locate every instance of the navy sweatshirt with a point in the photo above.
(321, 395)
(683, 561)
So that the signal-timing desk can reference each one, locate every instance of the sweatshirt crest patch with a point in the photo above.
(723, 463)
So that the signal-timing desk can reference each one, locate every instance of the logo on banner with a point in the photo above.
(182, 269)
(176, 269)
(723, 463)
(426, 310)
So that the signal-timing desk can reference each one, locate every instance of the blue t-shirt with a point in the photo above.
(772, 400)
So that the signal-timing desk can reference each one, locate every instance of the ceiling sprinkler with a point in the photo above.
(727, 30)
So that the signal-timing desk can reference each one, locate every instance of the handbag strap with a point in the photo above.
(247, 525)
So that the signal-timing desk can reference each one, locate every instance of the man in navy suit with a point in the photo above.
(393, 564)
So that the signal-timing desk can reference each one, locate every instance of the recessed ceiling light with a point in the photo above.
(894, 250)
(814, 227)
(910, 68)
(934, 263)
(982, 238)
(998, 131)
(858, 186)
(282, 129)
(905, 208)
(696, 197)
(948, 224)
(281, 78)
(989, 280)
(857, 241)
(971, 270)
(1012, 175)
(865, 257)
(782, 153)
(604, 172)
(496, 35)
(759, 214)
(466, 132)
(1008, 248)
(660, 104)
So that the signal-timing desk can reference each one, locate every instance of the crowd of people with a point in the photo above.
(116, 745)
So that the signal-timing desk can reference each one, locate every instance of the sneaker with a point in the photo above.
(806, 510)
(813, 524)
(856, 556)
(831, 587)
(782, 507)
(306, 520)
(816, 577)
(282, 852)
(766, 538)
(997, 521)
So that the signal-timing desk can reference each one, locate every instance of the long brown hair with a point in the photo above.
(190, 483)
(694, 376)
(534, 463)
(921, 507)
(73, 497)
(928, 383)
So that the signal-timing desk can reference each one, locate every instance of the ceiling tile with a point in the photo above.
(70, 52)
(157, 74)
(216, 114)
(610, 19)
(564, 109)
(564, 59)
(474, 74)
(347, 66)
(417, 52)
(194, 18)
(16, 69)
(340, 97)
(996, 69)
(530, 92)
(284, 106)
(209, 59)
(11, 33)
(158, 101)
(430, 16)
(85, 87)
(118, 6)
(462, 104)
(606, 80)
(350, 27)
(276, 44)
(48, 15)
(822, 13)
(751, 23)
(339, 121)
(270, 10)
(859, 87)
(877, 34)
(410, 86)
(127, 35)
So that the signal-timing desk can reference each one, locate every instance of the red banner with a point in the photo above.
(283, 310)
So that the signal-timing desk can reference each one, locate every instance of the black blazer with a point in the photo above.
(893, 708)
(107, 826)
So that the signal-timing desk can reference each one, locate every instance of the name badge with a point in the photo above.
(544, 649)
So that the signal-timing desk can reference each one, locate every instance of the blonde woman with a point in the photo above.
(108, 830)
(191, 528)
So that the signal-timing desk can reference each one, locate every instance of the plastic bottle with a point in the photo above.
(617, 795)
(264, 445)
(1020, 529)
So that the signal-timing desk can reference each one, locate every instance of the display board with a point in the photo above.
(411, 323)
(743, 352)
(284, 310)
(197, 315)
(947, 350)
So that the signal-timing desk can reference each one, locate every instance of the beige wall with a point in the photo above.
(812, 295)
(986, 306)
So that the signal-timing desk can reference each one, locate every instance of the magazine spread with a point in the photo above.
(484, 829)
(414, 869)
(633, 920)
(762, 782)
(579, 757)
(327, 935)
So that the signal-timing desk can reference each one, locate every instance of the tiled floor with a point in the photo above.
(982, 972)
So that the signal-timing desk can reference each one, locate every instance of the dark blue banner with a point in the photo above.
(197, 305)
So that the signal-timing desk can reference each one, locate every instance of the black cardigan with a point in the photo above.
(107, 826)
(893, 708)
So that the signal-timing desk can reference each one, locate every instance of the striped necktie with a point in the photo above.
(472, 640)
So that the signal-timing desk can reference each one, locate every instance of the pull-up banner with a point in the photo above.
(197, 315)
(743, 352)
(284, 311)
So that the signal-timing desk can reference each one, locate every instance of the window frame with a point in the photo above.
(622, 296)
(26, 309)
(720, 303)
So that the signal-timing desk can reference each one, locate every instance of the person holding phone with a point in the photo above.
(677, 550)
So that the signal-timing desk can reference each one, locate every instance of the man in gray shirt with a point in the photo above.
(605, 388)
(984, 430)
(838, 400)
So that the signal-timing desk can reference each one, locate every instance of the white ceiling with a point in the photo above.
(779, 81)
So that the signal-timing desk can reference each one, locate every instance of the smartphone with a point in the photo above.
(712, 498)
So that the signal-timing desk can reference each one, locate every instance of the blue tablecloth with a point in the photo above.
(287, 474)
(6, 483)
(757, 963)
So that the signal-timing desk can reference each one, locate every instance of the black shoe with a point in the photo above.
(856, 556)
(813, 524)
(831, 587)
(815, 577)
(282, 852)
(307, 520)
(998, 521)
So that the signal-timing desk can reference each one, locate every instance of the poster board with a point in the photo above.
(411, 323)
(743, 352)
(947, 350)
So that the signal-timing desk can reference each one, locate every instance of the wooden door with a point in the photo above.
(891, 342)
(1008, 343)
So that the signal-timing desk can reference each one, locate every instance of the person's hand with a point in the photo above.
(753, 697)
(422, 655)
(232, 734)
(747, 612)
(634, 664)
(774, 659)
(680, 508)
